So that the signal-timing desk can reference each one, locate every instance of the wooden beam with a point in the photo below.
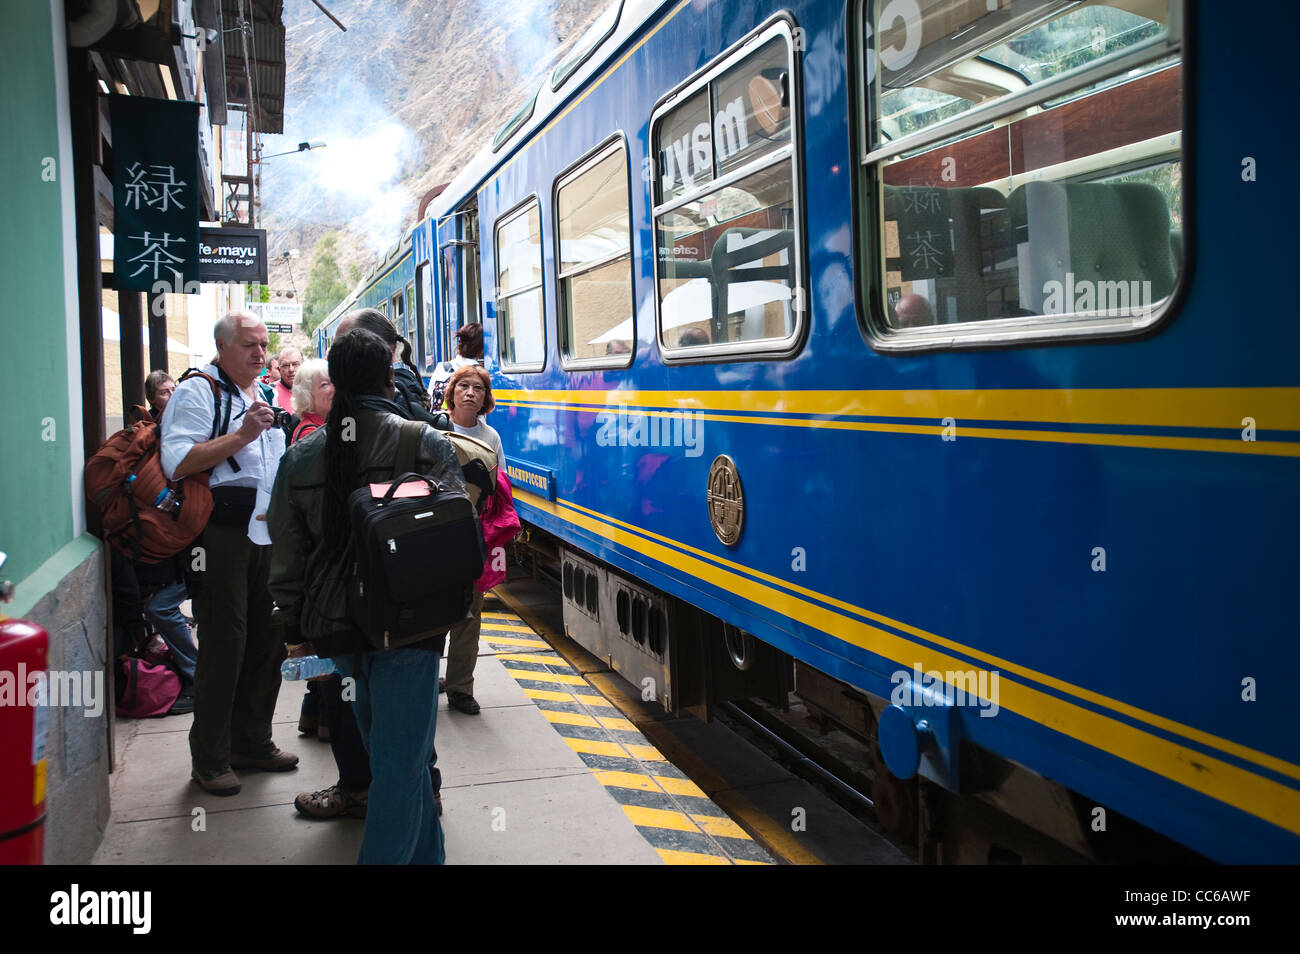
(131, 325)
(157, 305)
(83, 90)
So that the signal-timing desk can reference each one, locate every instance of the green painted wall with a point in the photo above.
(36, 441)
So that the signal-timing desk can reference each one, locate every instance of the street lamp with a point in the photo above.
(288, 258)
(302, 147)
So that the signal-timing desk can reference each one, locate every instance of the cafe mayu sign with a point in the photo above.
(232, 255)
(155, 192)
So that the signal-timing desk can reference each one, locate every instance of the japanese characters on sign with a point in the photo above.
(924, 234)
(155, 192)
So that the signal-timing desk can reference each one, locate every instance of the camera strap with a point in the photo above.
(230, 388)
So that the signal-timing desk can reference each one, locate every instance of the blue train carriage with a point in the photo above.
(890, 347)
(403, 287)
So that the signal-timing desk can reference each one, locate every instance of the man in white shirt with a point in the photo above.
(238, 675)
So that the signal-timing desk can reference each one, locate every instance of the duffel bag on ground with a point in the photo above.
(145, 689)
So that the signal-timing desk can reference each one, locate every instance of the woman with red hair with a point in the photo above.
(469, 398)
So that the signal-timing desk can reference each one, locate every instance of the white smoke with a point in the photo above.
(531, 28)
(356, 177)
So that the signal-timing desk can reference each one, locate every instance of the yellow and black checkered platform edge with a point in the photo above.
(673, 814)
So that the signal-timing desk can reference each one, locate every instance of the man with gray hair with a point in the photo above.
(290, 362)
(221, 421)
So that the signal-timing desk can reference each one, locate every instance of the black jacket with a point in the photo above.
(409, 396)
(309, 588)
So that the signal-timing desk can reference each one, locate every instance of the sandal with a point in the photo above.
(332, 802)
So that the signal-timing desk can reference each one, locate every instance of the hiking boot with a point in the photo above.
(332, 802)
(221, 782)
(184, 703)
(463, 701)
(442, 684)
(277, 760)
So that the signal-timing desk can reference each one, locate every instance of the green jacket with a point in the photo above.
(309, 590)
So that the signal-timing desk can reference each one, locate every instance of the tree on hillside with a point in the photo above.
(325, 287)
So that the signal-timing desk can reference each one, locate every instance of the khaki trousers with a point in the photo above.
(462, 652)
(237, 678)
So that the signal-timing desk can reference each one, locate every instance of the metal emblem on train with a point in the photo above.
(726, 500)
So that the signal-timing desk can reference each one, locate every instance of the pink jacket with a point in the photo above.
(500, 524)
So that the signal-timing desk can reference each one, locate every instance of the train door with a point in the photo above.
(461, 286)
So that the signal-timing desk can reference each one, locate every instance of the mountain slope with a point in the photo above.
(403, 99)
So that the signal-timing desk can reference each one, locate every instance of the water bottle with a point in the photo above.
(306, 667)
(166, 499)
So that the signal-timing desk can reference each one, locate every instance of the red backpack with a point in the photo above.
(146, 516)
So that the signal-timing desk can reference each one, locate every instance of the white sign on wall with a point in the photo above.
(271, 311)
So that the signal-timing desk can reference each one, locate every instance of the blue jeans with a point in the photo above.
(397, 710)
(163, 610)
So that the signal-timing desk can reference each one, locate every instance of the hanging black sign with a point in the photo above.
(232, 255)
(155, 193)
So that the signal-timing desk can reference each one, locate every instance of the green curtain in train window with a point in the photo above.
(155, 192)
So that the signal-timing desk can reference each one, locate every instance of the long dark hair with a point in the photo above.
(359, 365)
(373, 320)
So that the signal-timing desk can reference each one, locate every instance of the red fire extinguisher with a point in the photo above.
(24, 652)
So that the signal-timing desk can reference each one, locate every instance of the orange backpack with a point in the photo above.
(146, 516)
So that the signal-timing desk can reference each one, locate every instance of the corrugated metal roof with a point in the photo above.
(263, 54)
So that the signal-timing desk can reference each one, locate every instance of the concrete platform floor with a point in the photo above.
(514, 792)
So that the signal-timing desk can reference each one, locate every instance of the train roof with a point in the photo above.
(631, 16)
(559, 85)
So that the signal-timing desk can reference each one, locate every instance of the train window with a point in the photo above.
(727, 206)
(411, 318)
(399, 314)
(1021, 168)
(522, 336)
(593, 219)
(596, 34)
(424, 284)
(469, 262)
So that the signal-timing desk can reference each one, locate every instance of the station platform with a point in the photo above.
(548, 773)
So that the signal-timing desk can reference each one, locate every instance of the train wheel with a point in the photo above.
(740, 647)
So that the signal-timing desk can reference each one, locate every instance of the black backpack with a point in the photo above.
(415, 559)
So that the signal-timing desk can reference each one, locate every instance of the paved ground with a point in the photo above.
(547, 774)
(514, 792)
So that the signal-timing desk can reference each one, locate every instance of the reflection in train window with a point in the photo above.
(425, 333)
(726, 208)
(595, 264)
(522, 336)
(1023, 165)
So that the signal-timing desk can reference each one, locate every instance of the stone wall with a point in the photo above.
(74, 611)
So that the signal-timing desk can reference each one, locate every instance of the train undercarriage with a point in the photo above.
(687, 661)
